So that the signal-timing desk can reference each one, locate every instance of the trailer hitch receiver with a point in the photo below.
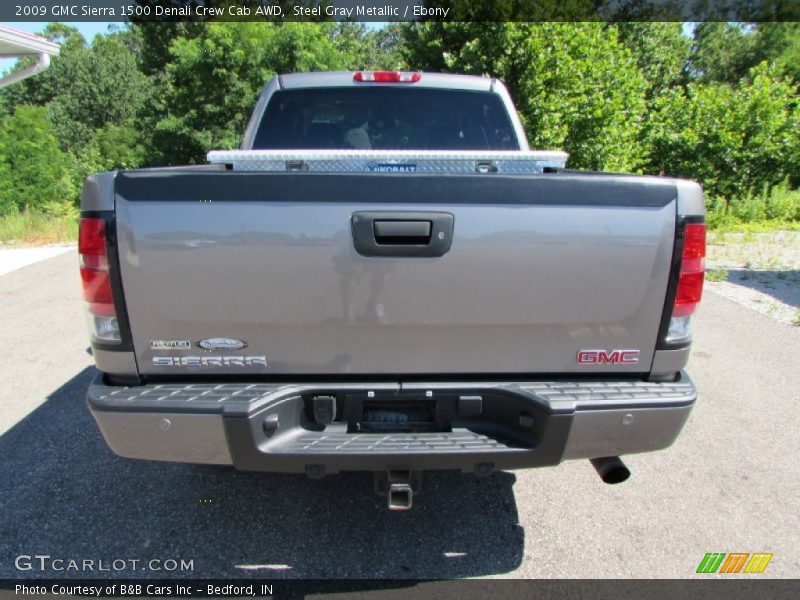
(399, 488)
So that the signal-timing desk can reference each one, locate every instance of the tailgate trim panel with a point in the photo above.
(552, 189)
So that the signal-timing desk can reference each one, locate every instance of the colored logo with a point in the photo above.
(734, 562)
(608, 357)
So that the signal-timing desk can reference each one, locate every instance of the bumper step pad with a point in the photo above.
(362, 443)
(213, 397)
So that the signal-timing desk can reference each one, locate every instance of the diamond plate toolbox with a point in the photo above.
(391, 161)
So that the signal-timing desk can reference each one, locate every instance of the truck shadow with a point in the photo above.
(65, 494)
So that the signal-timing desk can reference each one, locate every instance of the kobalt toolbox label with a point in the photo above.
(374, 167)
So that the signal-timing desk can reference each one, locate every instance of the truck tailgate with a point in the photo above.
(540, 268)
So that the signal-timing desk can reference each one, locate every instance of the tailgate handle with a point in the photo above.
(402, 233)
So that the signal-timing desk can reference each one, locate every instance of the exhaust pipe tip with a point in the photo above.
(611, 469)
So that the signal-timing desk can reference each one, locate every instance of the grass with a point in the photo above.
(776, 207)
(717, 275)
(796, 320)
(751, 227)
(37, 229)
(774, 251)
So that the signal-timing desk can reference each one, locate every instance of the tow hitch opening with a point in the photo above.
(398, 487)
(400, 496)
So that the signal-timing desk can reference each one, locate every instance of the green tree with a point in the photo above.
(214, 79)
(725, 52)
(721, 52)
(99, 85)
(153, 39)
(86, 87)
(736, 140)
(364, 48)
(34, 173)
(45, 86)
(389, 41)
(779, 43)
(113, 147)
(661, 51)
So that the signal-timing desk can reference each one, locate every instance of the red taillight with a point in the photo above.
(96, 286)
(102, 310)
(694, 240)
(92, 237)
(690, 282)
(690, 290)
(96, 280)
(387, 76)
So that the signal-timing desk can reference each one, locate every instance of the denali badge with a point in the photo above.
(222, 344)
(608, 357)
(170, 344)
(209, 361)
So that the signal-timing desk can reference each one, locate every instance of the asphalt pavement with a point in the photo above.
(731, 483)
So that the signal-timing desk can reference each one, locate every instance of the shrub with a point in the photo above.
(749, 208)
(717, 275)
(34, 173)
(779, 206)
(783, 204)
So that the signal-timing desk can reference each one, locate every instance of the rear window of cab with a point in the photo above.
(385, 118)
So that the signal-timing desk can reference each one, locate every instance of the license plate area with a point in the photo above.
(390, 412)
(395, 412)
(399, 416)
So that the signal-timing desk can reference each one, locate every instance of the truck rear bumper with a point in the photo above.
(471, 426)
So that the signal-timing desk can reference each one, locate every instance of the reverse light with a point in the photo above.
(96, 281)
(387, 76)
(690, 283)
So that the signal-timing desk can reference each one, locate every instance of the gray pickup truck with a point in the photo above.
(385, 278)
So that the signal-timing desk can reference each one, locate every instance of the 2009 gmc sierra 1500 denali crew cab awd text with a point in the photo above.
(386, 278)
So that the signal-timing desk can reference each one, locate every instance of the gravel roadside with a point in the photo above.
(760, 271)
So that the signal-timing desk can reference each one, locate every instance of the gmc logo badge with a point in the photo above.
(608, 357)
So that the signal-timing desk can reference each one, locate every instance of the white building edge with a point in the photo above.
(16, 44)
